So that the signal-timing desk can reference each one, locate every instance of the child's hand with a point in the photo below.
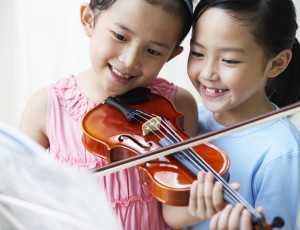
(206, 197)
(232, 218)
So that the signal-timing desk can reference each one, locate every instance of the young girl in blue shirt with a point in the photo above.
(244, 62)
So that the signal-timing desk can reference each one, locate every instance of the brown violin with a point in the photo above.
(140, 122)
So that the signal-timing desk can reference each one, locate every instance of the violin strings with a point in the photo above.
(235, 195)
(189, 156)
(232, 195)
(199, 163)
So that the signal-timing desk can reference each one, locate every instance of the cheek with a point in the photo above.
(239, 85)
(234, 82)
(103, 48)
(231, 76)
(151, 68)
(193, 69)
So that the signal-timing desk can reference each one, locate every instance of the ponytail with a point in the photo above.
(284, 89)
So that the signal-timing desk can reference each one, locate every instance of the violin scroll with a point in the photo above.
(261, 224)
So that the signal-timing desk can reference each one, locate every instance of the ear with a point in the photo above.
(280, 62)
(87, 19)
(176, 52)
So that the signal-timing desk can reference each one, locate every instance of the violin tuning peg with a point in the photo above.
(277, 222)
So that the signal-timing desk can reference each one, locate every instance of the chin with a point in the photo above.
(214, 108)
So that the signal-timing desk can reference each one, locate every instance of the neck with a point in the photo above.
(91, 86)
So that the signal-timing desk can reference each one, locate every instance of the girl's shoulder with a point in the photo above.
(285, 133)
(278, 139)
(182, 99)
(164, 88)
(186, 104)
(66, 95)
(65, 88)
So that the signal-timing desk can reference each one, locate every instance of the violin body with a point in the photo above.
(140, 123)
(108, 134)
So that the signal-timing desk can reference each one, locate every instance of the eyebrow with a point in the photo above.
(223, 49)
(124, 28)
(163, 45)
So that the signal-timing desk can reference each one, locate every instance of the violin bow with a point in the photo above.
(200, 139)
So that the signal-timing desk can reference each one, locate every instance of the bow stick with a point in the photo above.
(200, 139)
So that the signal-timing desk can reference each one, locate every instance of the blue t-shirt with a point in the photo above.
(265, 160)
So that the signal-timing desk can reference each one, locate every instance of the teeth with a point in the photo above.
(210, 90)
(120, 74)
(214, 91)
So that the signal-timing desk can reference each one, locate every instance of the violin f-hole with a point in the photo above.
(119, 153)
(146, 145)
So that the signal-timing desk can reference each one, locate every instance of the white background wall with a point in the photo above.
(42, 41)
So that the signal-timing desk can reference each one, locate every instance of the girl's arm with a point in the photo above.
(277, 187)
(33, 121)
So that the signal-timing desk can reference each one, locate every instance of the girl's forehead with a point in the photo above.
(144, 18)
(218, 30)
(223, 25)
(223, 19)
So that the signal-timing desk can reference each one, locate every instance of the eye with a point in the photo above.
(153, 52)
(119, 36)
(231, 61)
(196, 54)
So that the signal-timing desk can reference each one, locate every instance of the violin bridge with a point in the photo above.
(151, 125)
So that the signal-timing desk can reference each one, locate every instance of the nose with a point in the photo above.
(209, 71)
(129, 57)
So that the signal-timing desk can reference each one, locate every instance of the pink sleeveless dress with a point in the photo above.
(129, 196)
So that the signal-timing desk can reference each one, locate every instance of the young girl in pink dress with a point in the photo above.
(130, 41)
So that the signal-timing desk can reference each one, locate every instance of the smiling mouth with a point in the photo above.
(212, 92)
(125, 77)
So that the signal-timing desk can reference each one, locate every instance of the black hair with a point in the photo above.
(177, 7)
(275, 26)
